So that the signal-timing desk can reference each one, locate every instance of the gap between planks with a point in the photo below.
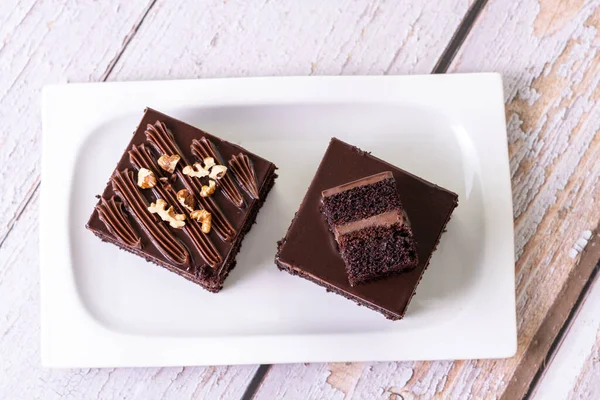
(440, 67)
(573, 295)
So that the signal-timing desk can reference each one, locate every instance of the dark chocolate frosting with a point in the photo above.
(243, 170)
(160, 137)
(141, 157)
(111, 213)
(202, 149)
(170, 247)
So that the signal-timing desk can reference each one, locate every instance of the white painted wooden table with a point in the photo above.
(549, 54)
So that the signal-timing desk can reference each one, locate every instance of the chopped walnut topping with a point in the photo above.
(196, 171)
(186, 199)
(210, 169)
(217, 172)
(209, 162)
(204, 217)
(175, 220)
(208, 190)
(168, 163)
(146, 178)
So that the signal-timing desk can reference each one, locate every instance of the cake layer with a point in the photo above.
(371, 195)
(366, 218)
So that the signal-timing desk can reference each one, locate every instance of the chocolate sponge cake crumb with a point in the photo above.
(370, 227)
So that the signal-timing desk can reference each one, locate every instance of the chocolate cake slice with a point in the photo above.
(309, 249)
(183, 199)
(370, 227)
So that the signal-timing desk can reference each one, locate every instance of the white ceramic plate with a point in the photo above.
(104, 307)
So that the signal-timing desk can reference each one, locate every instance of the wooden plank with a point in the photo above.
(549, 53)
(44, 42)
(21, 375)
(260, 37)
(574, 372)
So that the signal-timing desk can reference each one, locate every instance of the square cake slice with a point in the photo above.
(310, 250)
(183, 199)
(370, 227)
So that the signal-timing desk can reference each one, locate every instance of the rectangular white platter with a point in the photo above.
(103, 307)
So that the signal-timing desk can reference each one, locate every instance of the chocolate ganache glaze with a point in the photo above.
(162, 140)
(111, 213)
(202, 149)
(141, 157)
(122, 218)
(243, 170)
(164, 240)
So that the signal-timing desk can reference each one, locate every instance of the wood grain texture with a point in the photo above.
(43, 42)
(22, 377)
(549, 54)
(574, 373)
(254, 38)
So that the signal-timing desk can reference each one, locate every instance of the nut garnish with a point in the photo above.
(209, 162)
(195, 171)
(203, 216)
(146, 178)
(210, 169)
(175, 220)
(208, 190)
(168, 163)
(185, 198)
(217, 172)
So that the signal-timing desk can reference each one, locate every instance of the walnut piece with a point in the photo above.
(196, 171)
(210, 169)
(146, 178)
(205, 217)
(185, 198)
(168, 163)
(175, 220)
(217, 172)
(209, 162)
(208, 190)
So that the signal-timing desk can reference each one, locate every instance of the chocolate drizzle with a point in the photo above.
(204, 148)
(142, 157)
(243, 171)
(162, 140)
(111, 214)
(172, 249)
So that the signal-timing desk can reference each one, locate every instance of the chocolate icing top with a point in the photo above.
(309, 246)
(243, 170)
(208, 253)
(204, 148)
(142, 157)
(159, 234)
(111, 213)
(164, 143)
